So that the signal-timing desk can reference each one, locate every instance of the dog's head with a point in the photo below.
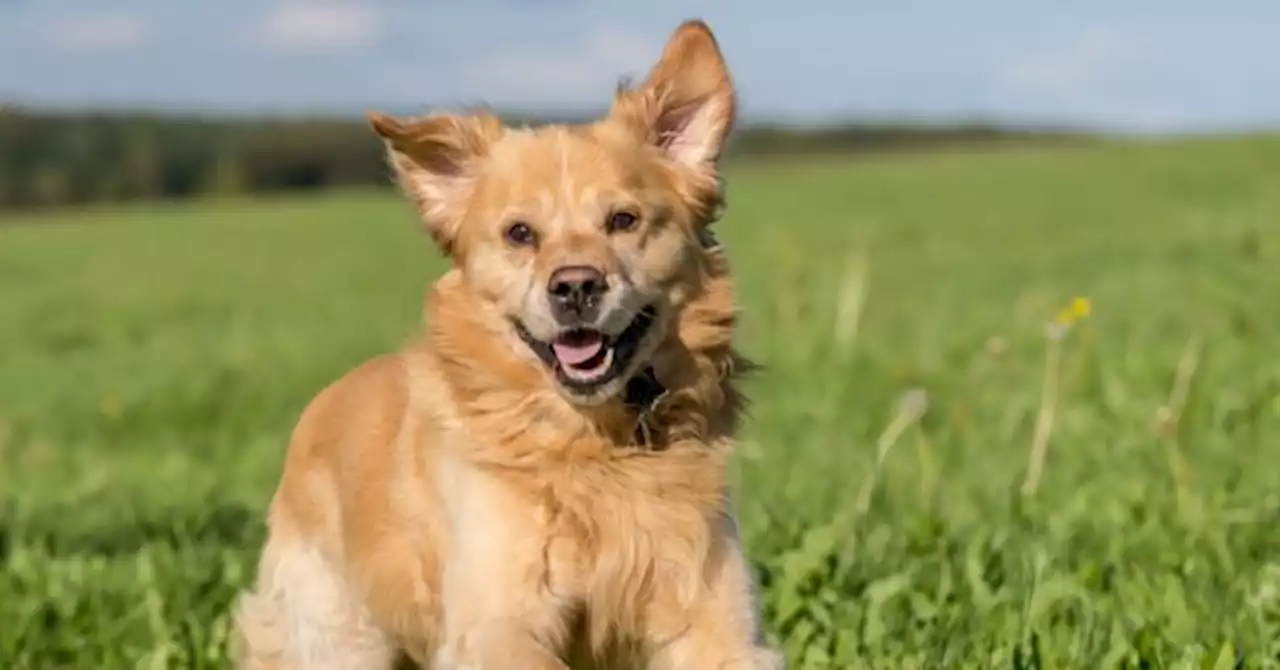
(582, 240)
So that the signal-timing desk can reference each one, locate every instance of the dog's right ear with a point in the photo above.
(433, 158)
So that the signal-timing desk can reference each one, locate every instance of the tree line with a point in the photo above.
(50, 159)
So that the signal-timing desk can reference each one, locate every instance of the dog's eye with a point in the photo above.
(520, 234)
(620, 221)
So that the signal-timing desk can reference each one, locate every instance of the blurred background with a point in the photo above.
(246, 95)
(1011, 269)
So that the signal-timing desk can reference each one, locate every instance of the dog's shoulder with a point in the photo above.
(372, 392)
(343, 422)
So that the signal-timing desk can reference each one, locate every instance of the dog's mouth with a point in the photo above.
(585, 359)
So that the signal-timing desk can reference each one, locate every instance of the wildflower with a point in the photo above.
(1074, 313)
(1067, 317)
(1078, 310)
(1081, 307)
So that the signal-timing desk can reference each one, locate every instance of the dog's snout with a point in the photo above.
(576, 292)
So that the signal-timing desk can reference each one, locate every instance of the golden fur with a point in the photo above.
(453, 504)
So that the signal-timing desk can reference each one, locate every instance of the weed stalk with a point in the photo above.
(1170, 414)
(1045, 415)
(912, 407)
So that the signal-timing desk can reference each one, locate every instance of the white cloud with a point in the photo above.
(319, 26)
(581, 73)
(97, 34)
(1095, 55)
(1102, 75)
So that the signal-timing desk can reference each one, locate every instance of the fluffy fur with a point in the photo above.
(454, 505)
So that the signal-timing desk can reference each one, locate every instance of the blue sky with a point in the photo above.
(1153, 65)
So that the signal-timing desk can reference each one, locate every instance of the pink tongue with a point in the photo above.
(577, 353)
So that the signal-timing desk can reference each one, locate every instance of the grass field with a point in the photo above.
(153, 359)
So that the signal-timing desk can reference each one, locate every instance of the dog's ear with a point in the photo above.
(433, 158)
(686, 105)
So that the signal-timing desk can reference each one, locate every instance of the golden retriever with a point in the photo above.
(539, 480)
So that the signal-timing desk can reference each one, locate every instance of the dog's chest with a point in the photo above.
(613, 534)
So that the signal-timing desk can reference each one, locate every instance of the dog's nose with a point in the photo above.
(575, 293)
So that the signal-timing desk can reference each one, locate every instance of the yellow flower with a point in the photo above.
(1077, 311)
(1080, 308)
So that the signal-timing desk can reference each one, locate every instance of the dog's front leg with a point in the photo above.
(498, 613)
(495, 618)
(720, 629)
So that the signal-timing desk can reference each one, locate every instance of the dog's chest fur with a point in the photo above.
(624, 532)
(608, 530)
(605, 529)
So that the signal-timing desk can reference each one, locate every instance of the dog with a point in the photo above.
(538, 481)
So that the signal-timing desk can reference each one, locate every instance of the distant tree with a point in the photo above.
(49, 185)
(224, 176)
(140, 163)
(53, 159)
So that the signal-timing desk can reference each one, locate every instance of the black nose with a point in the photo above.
(575, 292)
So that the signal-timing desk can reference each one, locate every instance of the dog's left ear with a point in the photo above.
(686, 106)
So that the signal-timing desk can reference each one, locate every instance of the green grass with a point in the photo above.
(154, 358)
